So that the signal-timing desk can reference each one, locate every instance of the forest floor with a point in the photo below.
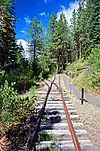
(88, 112)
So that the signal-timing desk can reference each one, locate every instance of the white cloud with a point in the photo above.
(68, 11)
(24, 44)
(23, 31)
(27, 20)
(42, 14)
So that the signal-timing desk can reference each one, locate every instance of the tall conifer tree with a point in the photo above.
(8, 48)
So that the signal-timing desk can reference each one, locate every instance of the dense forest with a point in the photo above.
(61, 45)
(48, 53)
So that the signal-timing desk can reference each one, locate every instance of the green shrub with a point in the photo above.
(94, 60)
(24, 108)
(8, 97)
(12, 106)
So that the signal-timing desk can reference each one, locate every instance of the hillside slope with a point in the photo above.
(84, 75)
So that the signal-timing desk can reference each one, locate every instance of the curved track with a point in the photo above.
(58, 117)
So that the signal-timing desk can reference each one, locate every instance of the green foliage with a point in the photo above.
(8, 99)
(36, 46)
(94, 60)
(85, 30)
(48, 61)
(48, 66)
(32, 89)
(73, 29)
(93, 17)
(80, 71)
(85, 43)
(52, 23)
(86, 73)
(61, 42)
(24, 108)
(8, 47)
(45, 67)
(47, 137)
(4, 2)
(77, 67)
(35, 32)
(35, 29)
(13, 107)
(82, 39)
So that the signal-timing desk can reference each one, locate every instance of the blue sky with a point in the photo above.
(27, 9)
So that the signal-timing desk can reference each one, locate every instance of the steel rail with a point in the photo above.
(73, 134)
(31, 144)
(72, 131)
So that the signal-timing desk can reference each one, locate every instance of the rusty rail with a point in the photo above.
(73, 134)
(31, 144)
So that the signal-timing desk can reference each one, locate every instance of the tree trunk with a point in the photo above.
(34, 61)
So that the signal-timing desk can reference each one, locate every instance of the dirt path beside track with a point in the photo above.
(88, 112)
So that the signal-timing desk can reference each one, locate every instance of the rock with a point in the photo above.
(70, 74)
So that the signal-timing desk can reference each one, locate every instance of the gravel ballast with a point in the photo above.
(89, 115)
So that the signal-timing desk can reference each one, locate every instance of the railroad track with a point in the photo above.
(57, 117)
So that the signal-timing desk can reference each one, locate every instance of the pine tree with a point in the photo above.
(88, 26)
(73, 28)
(36, 41)
(49, 38)
(81, 30)
(7, 33)
(52, 24)
(93, 19)
(50, 32)
(61, 42)
(35, 36)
